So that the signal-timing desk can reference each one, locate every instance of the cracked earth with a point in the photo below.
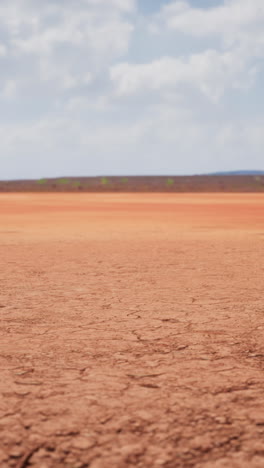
(131, 330)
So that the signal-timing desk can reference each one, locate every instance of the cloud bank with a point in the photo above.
(92, 87)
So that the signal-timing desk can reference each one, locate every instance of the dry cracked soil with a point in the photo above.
(131, 330)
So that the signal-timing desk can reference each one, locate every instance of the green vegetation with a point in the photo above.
(124, 180)
(77, 184)
(42, 181)
(63, 181)
(104, 181)
(170, 182)
(259, 180)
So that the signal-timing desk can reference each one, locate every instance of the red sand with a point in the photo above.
(131, 330)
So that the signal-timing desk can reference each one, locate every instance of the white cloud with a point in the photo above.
(2, 50)
(234, 23)
(231, 18)
(9, 89)
(236, 30)
(62, 77)
(64, 44)
(85, 88)
(211, 72)
(126, 6)
(162, 141)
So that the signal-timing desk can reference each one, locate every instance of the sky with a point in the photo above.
(130, 87)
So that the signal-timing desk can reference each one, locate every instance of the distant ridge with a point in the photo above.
(239, 181)
(236, 173)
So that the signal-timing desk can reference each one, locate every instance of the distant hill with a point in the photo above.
(236, 173)
(240, 181)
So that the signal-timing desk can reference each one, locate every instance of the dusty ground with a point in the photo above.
(131, 331)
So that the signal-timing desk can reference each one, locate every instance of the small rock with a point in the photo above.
(34, 439)
(97, 463)
(161, 461)
(145, 415)
(205, 357)
(82, 443)
(201, 442)
(41, 453)
(257, 416)
(221, 420)
(257, 446)
(3, 456)
(16, 452)
(130, 449)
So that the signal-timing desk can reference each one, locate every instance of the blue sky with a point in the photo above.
(93, 87)
(151, 6)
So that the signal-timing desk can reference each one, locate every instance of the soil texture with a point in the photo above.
(131, 330)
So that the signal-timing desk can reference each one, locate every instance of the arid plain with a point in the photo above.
(132, 330)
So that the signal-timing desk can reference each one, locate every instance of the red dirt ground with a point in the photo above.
(132, 330)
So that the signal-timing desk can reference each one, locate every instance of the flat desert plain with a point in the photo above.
(132, 330)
